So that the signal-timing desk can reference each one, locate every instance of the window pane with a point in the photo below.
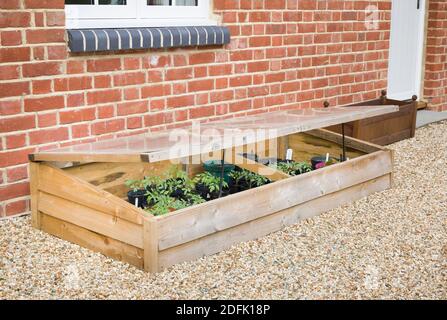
(78, 2)
(113, 2)
(191, 3)
(159, 2)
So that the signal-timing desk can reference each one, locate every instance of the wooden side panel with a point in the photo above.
(254, 229)
(111, 177)
(91, 219)
(385, 129)
(61, 184)
(93, 241)
(193, 223)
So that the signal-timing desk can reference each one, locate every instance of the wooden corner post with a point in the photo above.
(150, 236)
(34, 191)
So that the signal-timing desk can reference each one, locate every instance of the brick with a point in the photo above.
(128, 79)
(181, 101)
(15, 54)
(75, 67)
(15, 141)
(15, 157)
(155, 91)
(17, 174)
(106, 96)
(48, 135)
(80, 131)
(57, 52)
(45, 120)
(124, 109)
(73, 84)
(16, 207)
(55, 18)
(17, 123)
(44, 103)
(201, 112)
(179, 74)
(103, 81)
(201, 85)
(202, 58)
(10, 107)
(41, 69)
(78, 115)
(156, 119)
(108, 126)
(12, 191)
(18, 19)
(9, 72)
(43, 36)
(44, 4)
(106, 111)
(11, 38)
(10, 4)
(104, 65)
(134, 123)
(42, 86)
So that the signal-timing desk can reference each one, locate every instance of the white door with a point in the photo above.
(406, 48)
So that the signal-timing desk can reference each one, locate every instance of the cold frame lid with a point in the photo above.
(212, 136)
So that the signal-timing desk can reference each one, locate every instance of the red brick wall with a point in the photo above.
(435, 86)
(283, 54)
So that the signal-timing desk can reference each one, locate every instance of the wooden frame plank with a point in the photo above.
(59, 183)
(90, 219)
(84, 157)
(93, 241)
(199, 221)
(257, 228)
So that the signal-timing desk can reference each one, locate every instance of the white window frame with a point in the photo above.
(137, 14)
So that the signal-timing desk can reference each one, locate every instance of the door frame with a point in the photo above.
(421, 48)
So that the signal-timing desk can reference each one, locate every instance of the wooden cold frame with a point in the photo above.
(84, 204)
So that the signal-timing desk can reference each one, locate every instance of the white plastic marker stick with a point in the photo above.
(289, 154)
(136, 202)
(327, 157)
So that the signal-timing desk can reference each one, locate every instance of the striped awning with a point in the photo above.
(91, 40)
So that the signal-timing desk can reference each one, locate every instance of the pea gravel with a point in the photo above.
(391, 245)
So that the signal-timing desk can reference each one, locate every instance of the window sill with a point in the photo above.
(95, 40)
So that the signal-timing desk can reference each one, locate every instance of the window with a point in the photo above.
(136, 13)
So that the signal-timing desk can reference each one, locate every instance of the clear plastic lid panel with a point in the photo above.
(212, 136)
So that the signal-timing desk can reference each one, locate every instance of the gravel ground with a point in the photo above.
(391, 245)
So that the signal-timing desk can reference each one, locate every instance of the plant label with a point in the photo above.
(289, 154)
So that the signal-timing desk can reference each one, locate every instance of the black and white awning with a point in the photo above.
(92, 40)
